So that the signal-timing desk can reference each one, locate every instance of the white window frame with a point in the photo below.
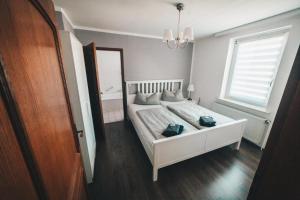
(230, 62)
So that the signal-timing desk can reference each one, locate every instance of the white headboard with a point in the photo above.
(150, 87)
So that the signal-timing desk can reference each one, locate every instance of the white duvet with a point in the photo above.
(191, 113)
(158, 119)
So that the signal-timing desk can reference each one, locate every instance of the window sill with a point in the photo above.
(243, 106)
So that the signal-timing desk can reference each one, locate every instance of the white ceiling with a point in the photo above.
(151, 17)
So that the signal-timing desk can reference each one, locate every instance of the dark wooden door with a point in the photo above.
(33, 71)
(92, 72)
(278, 174)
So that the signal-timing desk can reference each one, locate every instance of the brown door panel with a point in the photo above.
(33, 68)
(15, 181)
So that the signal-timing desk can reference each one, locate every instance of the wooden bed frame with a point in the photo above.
(168, 151)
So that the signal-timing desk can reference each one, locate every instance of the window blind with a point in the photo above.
(254, 64)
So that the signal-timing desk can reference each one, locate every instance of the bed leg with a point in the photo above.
(237, 145)
(155, 172)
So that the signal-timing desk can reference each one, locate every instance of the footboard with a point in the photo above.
(171, 150)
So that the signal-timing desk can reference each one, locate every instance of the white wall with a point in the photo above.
(144, 58)
(62, 22)
(211, 53)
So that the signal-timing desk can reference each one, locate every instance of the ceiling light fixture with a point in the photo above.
(183, 38)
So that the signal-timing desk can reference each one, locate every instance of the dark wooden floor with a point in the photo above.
(123, 171)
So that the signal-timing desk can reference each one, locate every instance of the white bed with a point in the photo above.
(167, 151)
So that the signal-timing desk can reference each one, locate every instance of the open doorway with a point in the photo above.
(111, 78)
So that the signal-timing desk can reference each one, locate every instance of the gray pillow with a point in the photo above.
(172, 96)
(142, 99)
(153, 99)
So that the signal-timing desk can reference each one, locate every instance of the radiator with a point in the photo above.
(256, 126)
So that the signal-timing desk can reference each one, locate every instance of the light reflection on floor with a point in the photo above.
(225, 186)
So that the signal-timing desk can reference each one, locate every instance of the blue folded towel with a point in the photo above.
(207, 121)
(172, 130)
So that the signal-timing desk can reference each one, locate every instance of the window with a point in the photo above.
(253, 67)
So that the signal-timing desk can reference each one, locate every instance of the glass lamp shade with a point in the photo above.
(188, 34)
(190, 88)
(181, 40)
(168, 35)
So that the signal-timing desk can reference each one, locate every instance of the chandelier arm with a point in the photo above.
(169, 46)
(185, 43)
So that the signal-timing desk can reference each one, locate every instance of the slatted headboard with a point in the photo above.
(150, 87)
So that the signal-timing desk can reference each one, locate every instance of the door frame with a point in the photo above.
(122, 75)
(277, 145)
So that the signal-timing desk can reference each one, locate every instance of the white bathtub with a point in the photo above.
(110, 96)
